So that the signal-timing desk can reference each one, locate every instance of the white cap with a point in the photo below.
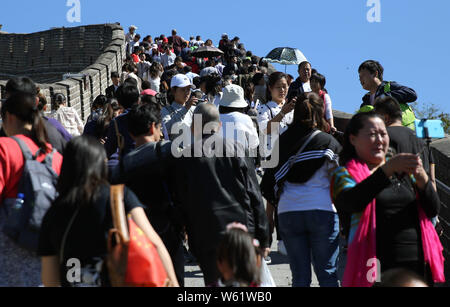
(133, 27)
(181, 80)
(224, 34)
(233, 97)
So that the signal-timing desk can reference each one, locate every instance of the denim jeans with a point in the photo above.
(311, 237)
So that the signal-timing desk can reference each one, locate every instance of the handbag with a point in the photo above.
(133, 260)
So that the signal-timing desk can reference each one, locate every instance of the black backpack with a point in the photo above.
(38, 186)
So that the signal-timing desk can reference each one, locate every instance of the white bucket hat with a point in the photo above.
(233, 97)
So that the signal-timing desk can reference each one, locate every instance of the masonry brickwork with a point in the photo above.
(93, 51)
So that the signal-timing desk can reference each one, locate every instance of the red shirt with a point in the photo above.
(12, 164)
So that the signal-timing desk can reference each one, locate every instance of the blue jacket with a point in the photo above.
(401, 93)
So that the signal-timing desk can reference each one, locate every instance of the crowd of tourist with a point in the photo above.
(191, 139)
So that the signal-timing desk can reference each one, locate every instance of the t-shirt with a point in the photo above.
(12, 162)
(168, 60)
(404, 140)
(311, 195)
(307, 87)
(328, 107)
(267, 112)
(87, 237)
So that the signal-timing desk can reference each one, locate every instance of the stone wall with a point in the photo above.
(93, 51)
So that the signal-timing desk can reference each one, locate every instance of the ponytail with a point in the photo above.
(39, 132)
(23, 106)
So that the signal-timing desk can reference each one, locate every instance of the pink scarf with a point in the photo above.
(362, 250)
(361, 269)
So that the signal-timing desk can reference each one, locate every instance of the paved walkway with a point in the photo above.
(279, 268)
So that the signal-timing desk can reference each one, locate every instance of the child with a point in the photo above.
(318, 82)
(238, 258)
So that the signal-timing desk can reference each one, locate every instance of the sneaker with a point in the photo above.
(282, 248)
(268, 260)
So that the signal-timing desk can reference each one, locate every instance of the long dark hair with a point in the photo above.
(354, 126)
(23, 105)
(309, 112)
(83, 170)
(238, 251)
(58, 100)
(105, 119)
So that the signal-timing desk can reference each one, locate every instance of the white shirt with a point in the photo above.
(328, 107)
(168, 60)
(311, 195)
(175, 118)
(267, 112)
(239, 128)
(70, 120)
(129, 37)
(307, 87)
(155, 83)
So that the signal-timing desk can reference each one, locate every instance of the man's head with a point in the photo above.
(145, 121)
(207, 117)
(137, 38)
(305, 71)
(132, 29)
(389, 109)
(370, 74)
(128, 95)
(115, 78)
(174, 32)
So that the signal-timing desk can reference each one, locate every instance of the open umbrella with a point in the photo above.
(207, 52)
(285, 56)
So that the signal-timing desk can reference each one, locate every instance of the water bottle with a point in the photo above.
(18, 204)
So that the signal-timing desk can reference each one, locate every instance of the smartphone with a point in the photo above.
(429, 128)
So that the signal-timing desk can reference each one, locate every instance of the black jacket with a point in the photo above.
(144, 171)
(295, 89)
(401, 93)
(214, 192)
(111, 92)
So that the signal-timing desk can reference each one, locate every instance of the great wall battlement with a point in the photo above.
(92, 51)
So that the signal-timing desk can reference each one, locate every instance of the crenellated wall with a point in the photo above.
(93, 51)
